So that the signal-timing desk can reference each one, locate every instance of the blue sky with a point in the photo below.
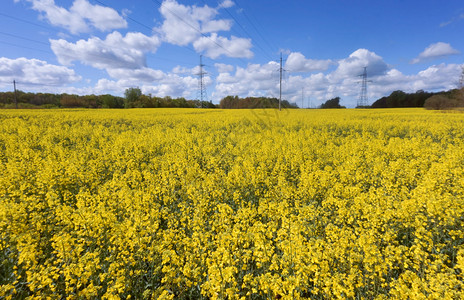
(99, 47)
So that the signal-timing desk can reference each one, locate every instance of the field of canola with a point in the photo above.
(238, 204)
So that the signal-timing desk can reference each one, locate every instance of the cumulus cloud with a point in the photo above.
(214, 46)
(80, 17)
(184, 25)
(115, 52)
(35, 72)
(434, 51)
(255, 78)
(184, 70)
(226, 4)
(167, 84)
(296, 62)
(437, 77)
(224, 68)
(353, 65)
(176, 86)
(137, 75)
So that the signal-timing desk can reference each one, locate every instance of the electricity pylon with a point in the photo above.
(363, 101)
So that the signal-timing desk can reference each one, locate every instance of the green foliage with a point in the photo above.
(132, 97)
(71, 101)
(254, 102)
(332, 103)
(110, 101)
(402, 99)
(449, 100)
(35, 99)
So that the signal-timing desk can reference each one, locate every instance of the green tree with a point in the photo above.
(110, 101)
(448, 100)
(332, 103)
(229, 102)
(131, 97)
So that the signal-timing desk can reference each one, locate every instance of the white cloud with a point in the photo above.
(226, 4)
(255, 78)
(353, 66)
(296, 62)
(224, 68)
(80, 17)
(184, 70)
(35, 72)
(214, 46)
(454, 19)
(171, 85)
(184, 25)
(176, 86)
(438, 77)
(137, 75)
(434, 51)
(115, 52)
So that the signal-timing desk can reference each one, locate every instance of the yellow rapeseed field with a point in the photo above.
(231, 204)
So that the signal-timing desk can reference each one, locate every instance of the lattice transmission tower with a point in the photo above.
(461, 80)
(201, 84)
(363, 100)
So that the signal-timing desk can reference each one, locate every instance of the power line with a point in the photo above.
(24, 21)
(246, 32)
(24, 47)
(255, 28)
(24, 38)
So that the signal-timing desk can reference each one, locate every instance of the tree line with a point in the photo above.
(440, 100)
(134, 98)
(254, 102)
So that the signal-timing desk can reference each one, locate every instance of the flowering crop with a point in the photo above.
(231, 204)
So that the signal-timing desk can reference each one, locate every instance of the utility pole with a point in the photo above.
(362, 101)
(201, 85)
(15, 97)
(280, 83)
(461, 81)
(302, 98)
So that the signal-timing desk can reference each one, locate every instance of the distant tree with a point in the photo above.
(229, 102)
(207, 104)
(332, 103)
(91, 101)
(71, 101)
(110, 101)
(449, 100)
(402, 99)
(253, 102)
(132, 97)
(458, 94)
